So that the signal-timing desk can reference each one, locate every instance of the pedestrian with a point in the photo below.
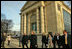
(1, 41)
(44, 40)
(4, 39)
(54, 40)
(20, 40)
(66, 39)
(58, 40)
(50, 44)
(9, 39)
(24, 41)
(33, 40)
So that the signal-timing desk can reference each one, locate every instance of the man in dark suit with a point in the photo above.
(66, 38)
(24, 40)
(44, 40)
(33, 40)
(20, 40)
(58, 40)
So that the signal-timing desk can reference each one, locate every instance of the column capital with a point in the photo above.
(42, 3)
(24, 14)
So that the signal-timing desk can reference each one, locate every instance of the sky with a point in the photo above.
(11, 9)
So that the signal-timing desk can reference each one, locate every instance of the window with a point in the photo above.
(58, 7)
(67, 20)
(34, 27)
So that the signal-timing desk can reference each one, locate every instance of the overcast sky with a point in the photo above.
(11, 9)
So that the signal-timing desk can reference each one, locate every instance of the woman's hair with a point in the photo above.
(43, 33)
(64, 31)
(32, 32)
(50, 34)
(57, 33)
(8, 34)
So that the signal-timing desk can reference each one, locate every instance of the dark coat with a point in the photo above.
(20, 38)
(3, 38)
(44, 40)
(33, 40)
(59, 40)
(25, 39)
(54, 39)
(68, 40)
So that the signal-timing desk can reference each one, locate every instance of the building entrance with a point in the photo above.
(34, 27)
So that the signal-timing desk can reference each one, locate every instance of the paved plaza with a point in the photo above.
(15, 44)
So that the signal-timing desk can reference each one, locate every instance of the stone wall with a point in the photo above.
(39, 41)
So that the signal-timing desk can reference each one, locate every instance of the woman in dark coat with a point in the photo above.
(33, 40)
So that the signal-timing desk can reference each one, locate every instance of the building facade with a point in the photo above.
(45, 16)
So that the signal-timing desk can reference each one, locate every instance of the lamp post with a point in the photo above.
(20, 34)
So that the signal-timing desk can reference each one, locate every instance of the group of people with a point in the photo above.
(32, 38)
(54, 40)
(50, 41)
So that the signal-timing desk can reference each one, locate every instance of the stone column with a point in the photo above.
(21, 24)
(37, 14)
(29, 24)
(62, 21)
(42, 19)
(24, 23)
(45, 20)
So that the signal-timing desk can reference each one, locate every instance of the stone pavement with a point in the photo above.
(15, 44)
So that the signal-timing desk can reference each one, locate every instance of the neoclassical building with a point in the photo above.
(45, 16)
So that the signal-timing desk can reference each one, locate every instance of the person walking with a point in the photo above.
(44, 40)
(50, 44)
(1, 41)
(58, 40)
(66, 39)
(20, 40)
(24, 41)
(33, 40)
(4, 39)
(9, 39)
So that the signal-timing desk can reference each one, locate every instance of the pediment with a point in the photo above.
(27, 4)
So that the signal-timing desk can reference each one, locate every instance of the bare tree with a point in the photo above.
(2, 23)
(6, 25)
